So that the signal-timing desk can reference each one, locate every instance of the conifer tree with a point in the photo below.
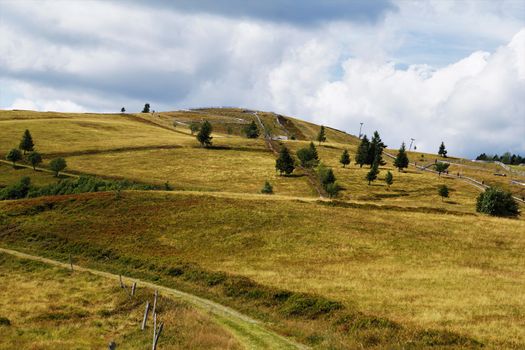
(26, 144)
(308, 156)
(14, 156)
(123, 110)
(284, 163)
(375, 150)
(34, 158)
(389, 178)
(372, 174)
(321, 136)
(345, 158)
(401, 160)
(442, 151)
(146, 108)
(362, 152)
(252, 131)
(204, 135)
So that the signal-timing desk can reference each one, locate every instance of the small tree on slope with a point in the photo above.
(345, 158)
(442, 151)
(284, 163)
(26, 144)
(321, 136)
(204, 135)
(389, 178)
(401, 160)
(362, 152)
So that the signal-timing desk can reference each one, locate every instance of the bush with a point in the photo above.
(497, 202)
(16, 191)
(309, 306)
(4, 321)
(267, 188)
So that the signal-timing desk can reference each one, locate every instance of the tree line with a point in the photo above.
(506, 158)
(26, 151)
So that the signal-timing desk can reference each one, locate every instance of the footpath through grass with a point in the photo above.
(46, 307)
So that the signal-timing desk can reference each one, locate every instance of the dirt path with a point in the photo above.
(247, 330)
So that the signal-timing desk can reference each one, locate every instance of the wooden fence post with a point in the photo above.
(121, 282)
(155, 302)
(71, 262)
(133, 287)
(157, 336)
(145, 316)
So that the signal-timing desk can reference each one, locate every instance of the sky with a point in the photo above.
(435, 70)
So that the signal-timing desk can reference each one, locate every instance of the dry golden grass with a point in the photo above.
(9, 176)
(462, 273)
(50, 308)
(200, 169)
(86, 133)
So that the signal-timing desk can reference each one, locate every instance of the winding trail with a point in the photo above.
(247, 330)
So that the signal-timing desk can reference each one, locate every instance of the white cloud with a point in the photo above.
(457, 85)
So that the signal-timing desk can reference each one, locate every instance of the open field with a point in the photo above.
(9, 176)
(196, 169)
(461, 273)
(52, 308)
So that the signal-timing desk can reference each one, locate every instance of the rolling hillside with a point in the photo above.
(375, 267)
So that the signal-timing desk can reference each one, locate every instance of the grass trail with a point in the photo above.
(248, 331)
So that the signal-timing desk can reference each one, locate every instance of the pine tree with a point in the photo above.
(57, 165)
(401, 160)
(204, 135)
(345, 158)
(123, 110)
(375, 150)
(285, 162)
(362, 152)
(26, 144)
(321, 137)
(14, 156)
(146, 108)
(442, 151)
(443, 191)
(389, 178)
(308, 156)
(34, 158)
(252, 131)
(372, 174)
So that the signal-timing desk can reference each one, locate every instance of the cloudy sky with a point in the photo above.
(429, 70)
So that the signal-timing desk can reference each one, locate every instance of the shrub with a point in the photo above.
(4, 321)
(309, 306)
(16, 191)
(497, 202)
(267, 188)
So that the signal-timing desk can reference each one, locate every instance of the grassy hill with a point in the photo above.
(376, 267)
